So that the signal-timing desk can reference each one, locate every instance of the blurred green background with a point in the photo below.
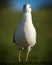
(42, 20)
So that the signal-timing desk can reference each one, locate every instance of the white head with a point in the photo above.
(27, 8)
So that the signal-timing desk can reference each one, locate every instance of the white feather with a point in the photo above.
(25, 35)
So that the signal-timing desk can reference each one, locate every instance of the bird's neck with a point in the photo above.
(27, 16)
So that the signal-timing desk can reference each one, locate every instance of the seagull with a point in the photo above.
(25, 33)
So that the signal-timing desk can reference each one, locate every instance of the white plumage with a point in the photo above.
(25, 34)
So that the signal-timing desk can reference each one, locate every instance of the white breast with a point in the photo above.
(25, 34)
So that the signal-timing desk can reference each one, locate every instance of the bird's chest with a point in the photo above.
(29, 31)
(27, 28)
(25, 31)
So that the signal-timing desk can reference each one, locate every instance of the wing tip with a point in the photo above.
(14, 40)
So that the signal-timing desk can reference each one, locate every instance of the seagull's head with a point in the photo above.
(27, 8)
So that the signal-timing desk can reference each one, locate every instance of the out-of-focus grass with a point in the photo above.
(28, 63)
(42, 51)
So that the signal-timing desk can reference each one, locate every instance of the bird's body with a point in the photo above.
(25, 34)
